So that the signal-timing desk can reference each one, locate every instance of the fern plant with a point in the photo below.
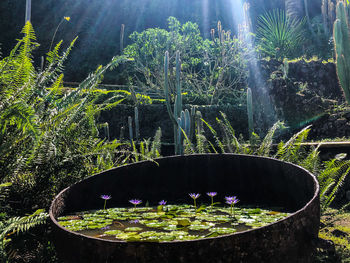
(17, 225)
(49, 135)
(330, 174)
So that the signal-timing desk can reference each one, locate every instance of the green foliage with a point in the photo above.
(279, 35)
(17, 225)
(342, 47)
(180, 120)
(213, 71)
(330, 174)
(21, 224)
(49, 137)
(147, 149)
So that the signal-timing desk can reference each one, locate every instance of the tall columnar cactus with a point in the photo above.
(28, 10)
(137, 124)
(130, 129)
(122, 29)
(121, 133)
(328, 15)
(106, 130)
(199, 123)
(192, 124)
(250, 112)
(175, 115)
(342, 47)
(184, 128)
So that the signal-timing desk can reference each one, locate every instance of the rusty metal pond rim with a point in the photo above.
(314, 198)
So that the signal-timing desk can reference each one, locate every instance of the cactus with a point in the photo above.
(130, 129)
(250, 112)
(328, 14)
(175, 115)
(122, 29)
(199, 123)
(178, 102)
(28, 10)
(184, 127)
(121, 133)
(137, 125)
(192, 124)
(182, 120)
(187, 123)
(106, 130)
(342, 47)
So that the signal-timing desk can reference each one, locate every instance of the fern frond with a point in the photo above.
(291, 151)
(214, 133)
(265, 147)
(156, 144)
(22, 224)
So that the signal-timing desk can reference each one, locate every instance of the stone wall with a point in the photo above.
(305, 93)
(151, 117)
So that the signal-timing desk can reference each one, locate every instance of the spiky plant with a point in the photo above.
(280, 35)
(331, 174)
(49, 135)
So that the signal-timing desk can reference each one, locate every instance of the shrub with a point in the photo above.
(213, 71)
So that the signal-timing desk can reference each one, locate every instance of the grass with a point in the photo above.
(335, 227)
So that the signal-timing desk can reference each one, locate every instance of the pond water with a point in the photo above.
(169, 222)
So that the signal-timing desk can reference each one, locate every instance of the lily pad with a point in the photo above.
(183, 222)
(113, 232)
(170, 223)
(223, 230)
(126, 235)
(133, 229)
(198, 227)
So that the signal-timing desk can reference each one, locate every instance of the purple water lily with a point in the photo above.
(212, 194)
(163, 202)
(194, 197)
(231, 200)
(134, 221)
(135, 202)
(105, 197)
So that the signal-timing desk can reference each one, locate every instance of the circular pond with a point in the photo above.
(257, 181)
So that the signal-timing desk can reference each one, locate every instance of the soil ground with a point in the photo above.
(334, 242)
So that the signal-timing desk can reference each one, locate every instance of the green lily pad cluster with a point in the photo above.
(172, 222)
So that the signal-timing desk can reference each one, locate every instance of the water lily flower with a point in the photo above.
(231, 200)
(163, 202)
(135, 202)
(212, 194)
(105, 197)
(194, 197)
(134, 221)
